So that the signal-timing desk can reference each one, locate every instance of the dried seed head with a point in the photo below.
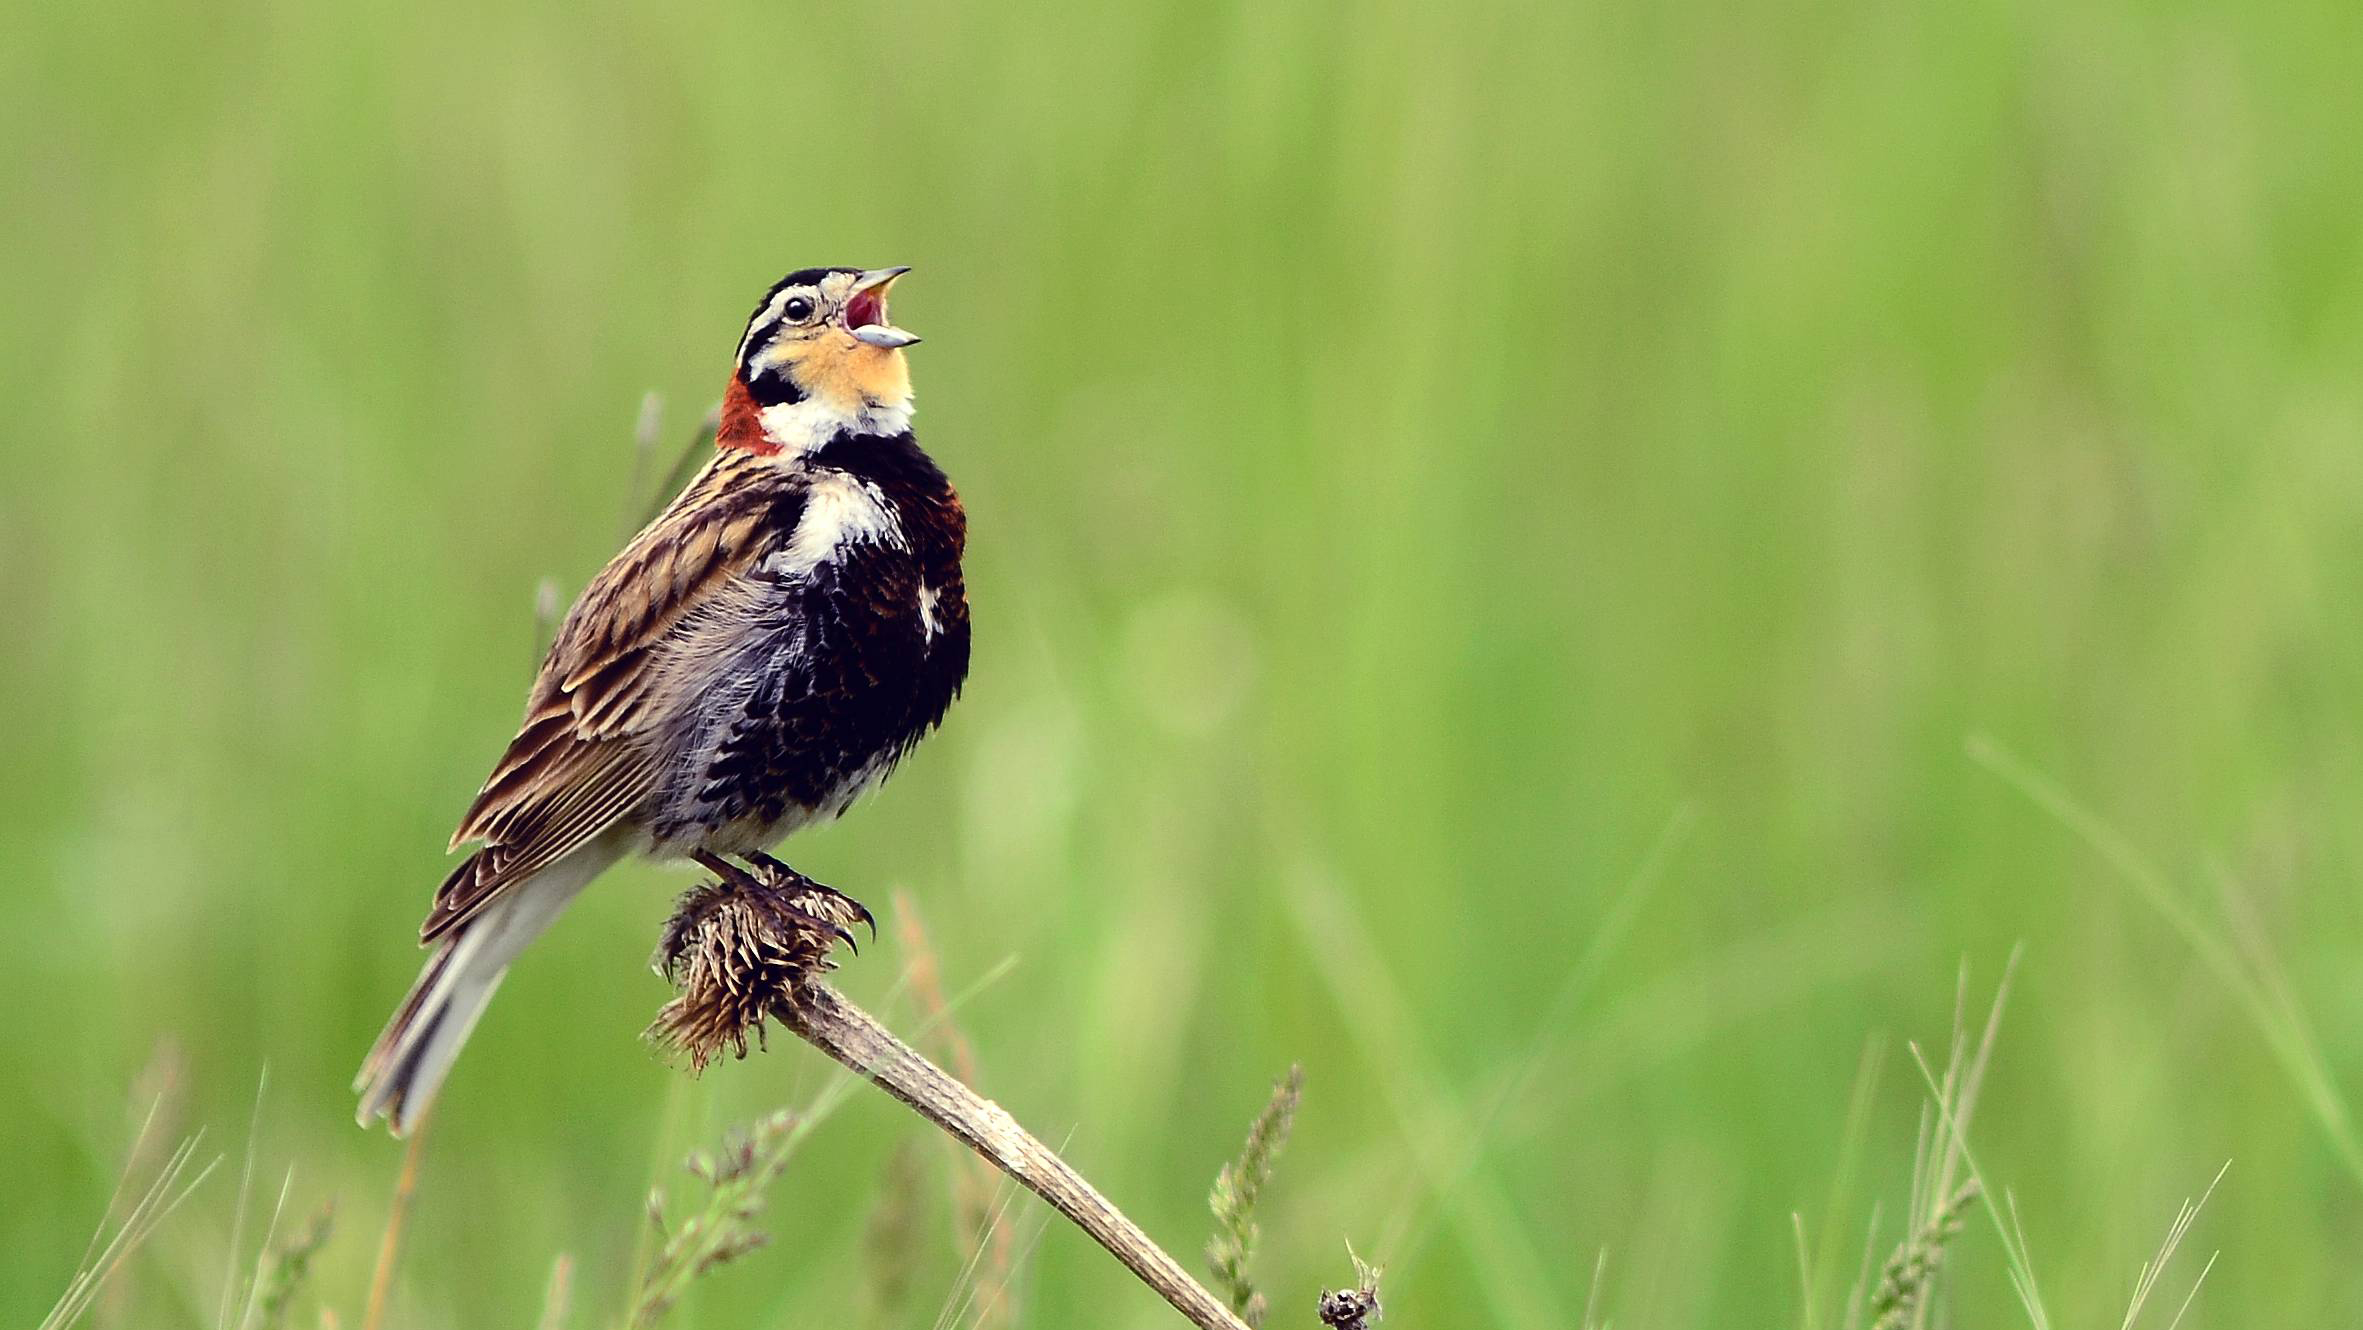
(1349, 1308)
(734, 951)
(1353, 1308)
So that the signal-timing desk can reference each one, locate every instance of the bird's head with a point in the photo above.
(820, 355)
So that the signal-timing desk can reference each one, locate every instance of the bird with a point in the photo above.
(758, 657)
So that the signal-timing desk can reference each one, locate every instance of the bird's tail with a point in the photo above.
(399, 1079)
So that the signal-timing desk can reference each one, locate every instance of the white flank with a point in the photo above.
(838, 511)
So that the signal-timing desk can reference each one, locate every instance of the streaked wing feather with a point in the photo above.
(582, 760)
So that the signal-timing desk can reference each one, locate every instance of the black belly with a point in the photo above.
(840, 680)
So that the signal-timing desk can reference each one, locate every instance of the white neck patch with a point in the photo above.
(839, 511)
(801, 427)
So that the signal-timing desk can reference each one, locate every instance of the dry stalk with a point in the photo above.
(975, 1202)
(822, 1017)
(739, 957)
(558, 1294)
(389, 1246)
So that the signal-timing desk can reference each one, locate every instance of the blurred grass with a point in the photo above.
(1413, 452)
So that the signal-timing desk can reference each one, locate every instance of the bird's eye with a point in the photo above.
(797, 310)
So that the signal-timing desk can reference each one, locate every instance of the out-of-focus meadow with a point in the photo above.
(1528, 557)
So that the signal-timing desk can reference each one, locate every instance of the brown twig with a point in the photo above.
(389, 1247)
(743, 951)
(974, 1182)
(822, 1017)
(558, 1294)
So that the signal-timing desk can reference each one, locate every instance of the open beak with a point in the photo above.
(865, 310)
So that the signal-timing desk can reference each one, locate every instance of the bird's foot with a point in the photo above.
(829, 900)
(801, 898)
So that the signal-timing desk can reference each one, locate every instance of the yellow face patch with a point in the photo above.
(832, 367)
(828, 365)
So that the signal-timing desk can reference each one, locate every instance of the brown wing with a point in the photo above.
(583, 757)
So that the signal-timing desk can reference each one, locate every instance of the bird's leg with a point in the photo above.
(796, 884)
(781, 893)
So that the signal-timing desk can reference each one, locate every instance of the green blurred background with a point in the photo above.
(1427, 464)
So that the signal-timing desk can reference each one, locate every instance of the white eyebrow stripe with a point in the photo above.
(769, 316)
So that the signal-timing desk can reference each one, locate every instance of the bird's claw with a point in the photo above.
(817, 900)
(794, 908)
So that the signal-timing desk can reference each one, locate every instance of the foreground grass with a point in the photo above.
(717, 1219)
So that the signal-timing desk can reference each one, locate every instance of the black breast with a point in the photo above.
(859, 653)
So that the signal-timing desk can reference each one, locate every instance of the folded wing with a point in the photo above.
(592, 744)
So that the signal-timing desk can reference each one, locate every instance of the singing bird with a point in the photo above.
(760, 655)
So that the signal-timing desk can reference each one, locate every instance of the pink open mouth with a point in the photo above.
(866, 309)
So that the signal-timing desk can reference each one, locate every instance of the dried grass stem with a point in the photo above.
(822, 1017)
(743, 950)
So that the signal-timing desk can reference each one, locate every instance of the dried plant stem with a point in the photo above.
(976, 1188)
(822, 1017)
(389, 1247)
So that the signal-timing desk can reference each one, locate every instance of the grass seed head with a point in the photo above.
(1905, 1280)
(1238, 1188)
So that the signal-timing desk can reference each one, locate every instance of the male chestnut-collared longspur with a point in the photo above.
(760, 655)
